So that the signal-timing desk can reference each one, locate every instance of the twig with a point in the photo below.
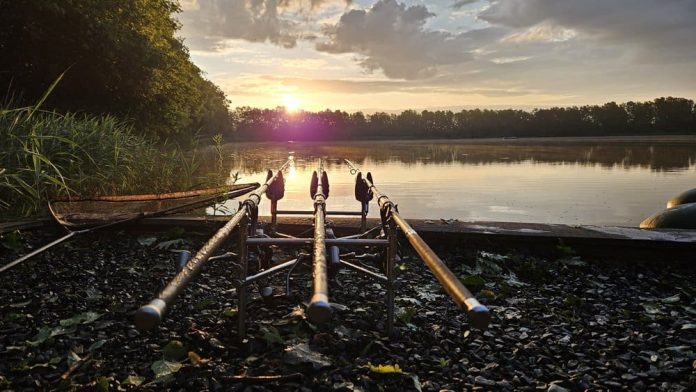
(75, 366)
(262, 379)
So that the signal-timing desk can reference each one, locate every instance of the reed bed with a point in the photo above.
(45, 154)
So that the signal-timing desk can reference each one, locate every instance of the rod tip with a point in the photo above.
(150, 315)
(319, 310)
(479, 316)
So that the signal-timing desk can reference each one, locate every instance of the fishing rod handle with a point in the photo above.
(479, 315)
(319, 309)
(150, 315)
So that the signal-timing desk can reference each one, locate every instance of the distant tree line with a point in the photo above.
(120, 57)
(660, 116)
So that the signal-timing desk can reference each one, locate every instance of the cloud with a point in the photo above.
(348, 86)
(664, 28)
(280, 22)
(392, 37)
(461, 3)
(541, 33)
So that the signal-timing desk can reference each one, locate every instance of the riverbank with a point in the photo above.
(559, 322)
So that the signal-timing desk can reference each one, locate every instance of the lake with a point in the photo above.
(599, 181)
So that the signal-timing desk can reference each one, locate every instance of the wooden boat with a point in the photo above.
(79, 213)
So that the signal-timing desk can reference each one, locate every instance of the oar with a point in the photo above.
(478, 314)
(142, 215)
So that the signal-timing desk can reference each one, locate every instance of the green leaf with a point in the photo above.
(271, 335)
(164, 368)
(474, 282)
(133, 380)
(405, 314)
(46, 333)
(174, 351)
(103, 384)
(230, 312)
(12, 241)
(82, 318)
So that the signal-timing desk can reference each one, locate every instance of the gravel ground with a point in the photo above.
(563, 324)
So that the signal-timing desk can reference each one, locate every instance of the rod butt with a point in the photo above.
(319, 309)
(150, 315)
(479, 316)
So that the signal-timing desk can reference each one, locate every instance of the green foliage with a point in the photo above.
(174, 351)
(122, 58)
(12, 241)
(663, 115)
(44, 155)
(271, 335)
(474, 282)
(406, 314)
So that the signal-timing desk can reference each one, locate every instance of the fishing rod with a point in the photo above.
(319, 309)
(150, 315)
(478, 314)
(141, 215)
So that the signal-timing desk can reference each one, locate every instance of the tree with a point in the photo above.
(673, 114)
(119, 57)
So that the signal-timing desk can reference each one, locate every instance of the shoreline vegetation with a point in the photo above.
(661, 116)
(45, 154)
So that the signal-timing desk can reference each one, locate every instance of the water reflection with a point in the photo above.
(671, 156)
(573, 183)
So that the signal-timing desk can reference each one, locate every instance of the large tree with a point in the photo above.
(119, 56)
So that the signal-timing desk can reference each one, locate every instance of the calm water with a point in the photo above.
(604, 182)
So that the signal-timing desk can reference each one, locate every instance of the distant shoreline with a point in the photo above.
(660, 139)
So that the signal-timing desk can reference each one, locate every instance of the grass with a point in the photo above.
(45, 154)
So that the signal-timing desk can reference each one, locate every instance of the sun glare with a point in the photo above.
(291, 103)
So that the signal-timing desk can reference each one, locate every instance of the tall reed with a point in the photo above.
(44, 155)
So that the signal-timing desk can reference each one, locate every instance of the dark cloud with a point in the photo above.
(657, 28)
(392, 37)
(275, 21)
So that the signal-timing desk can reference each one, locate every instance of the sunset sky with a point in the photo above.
(397, 54)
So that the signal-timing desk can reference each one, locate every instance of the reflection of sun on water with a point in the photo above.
(291, 103)
(292, 170)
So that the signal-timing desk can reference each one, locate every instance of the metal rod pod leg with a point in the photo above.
(184, 257)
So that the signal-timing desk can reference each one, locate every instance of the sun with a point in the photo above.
(291, 103)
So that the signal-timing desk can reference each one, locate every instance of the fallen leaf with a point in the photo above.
(164, 368)
(384, 369)
(82, 318)
(174, 351)
(133, 380)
